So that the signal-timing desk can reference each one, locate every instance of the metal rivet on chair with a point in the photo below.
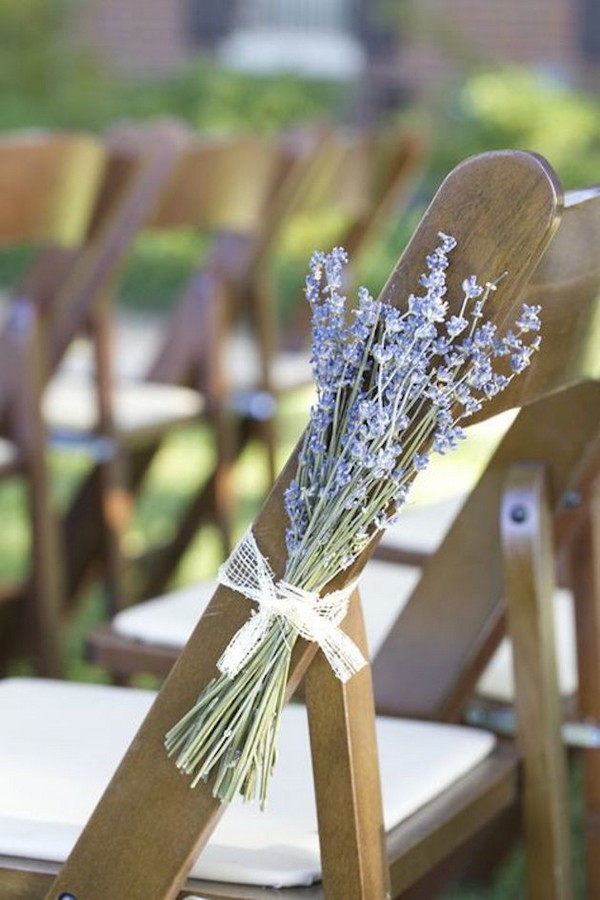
(518, 513)
(571, 500)
(67, 897)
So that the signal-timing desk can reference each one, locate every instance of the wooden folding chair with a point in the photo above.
(63, 296)
(210, 190)
(148, 826)
(360, 180)
(48, 187)
(150, 637)
(109, 419)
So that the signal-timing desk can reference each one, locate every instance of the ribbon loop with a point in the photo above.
(315, 618)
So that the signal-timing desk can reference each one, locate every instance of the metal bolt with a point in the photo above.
(571, 500)
(67, 897)
(518, 513)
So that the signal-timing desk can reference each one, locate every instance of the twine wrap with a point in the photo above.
(315, 618)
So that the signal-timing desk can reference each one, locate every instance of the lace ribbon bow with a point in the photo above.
(315, 618)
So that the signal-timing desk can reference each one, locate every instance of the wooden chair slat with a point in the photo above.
(526, 531)
(47, 183)
(346, 775)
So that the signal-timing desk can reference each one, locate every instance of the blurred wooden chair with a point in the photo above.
(62, 297)
(48, 187)
(238, 190)
(358, 185)
(149, 826)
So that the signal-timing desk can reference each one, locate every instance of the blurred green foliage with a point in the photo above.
(520, 109)
(49, 80)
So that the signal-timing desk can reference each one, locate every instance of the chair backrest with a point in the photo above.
(461, 589)
(48, 184)
(65, 285)
(397, 158)
(482, 204)
(365, 178)
(243, 189)
(221, 184)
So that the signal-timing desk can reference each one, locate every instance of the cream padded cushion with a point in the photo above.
(385, 588)
(61, 742)
(8, 453)
(169, 620)
(289, 369)
(422, 527)
(497, 682)
(70, 404)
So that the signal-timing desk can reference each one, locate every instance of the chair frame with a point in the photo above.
(54, 178)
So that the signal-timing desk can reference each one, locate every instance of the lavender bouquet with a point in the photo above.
(392, 386)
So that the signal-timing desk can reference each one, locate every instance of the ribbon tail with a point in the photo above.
(248, 572)
(243, 644)
(341, 652)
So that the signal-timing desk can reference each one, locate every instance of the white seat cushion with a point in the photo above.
(62, 741)
(385, 588)
(8, 453)
(135, 343)
(497, 682)
(424, 521)
(289, 370)
(170, 619)
(70, 405)
(422, 527)
(167, 620)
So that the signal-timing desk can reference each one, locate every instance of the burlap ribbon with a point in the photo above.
(314, 618)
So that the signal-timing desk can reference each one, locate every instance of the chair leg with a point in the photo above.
(115, 497)
(344, 752)
(116, 504)
(45, 587)
(44, 590)
(83, 530)
(265, 432)
(585, 569)
(529, 574)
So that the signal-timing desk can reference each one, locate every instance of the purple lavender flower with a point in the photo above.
(393, 385)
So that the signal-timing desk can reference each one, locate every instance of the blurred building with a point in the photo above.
(413, 42)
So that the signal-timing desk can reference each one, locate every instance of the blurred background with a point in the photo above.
(465, 75)
(469, 75)
(522, 73)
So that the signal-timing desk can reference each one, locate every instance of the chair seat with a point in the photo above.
(290, 369)
(62, 741)
(422, 527)
(497, 682)
(8, 455)
(70, 405)
(169, 620)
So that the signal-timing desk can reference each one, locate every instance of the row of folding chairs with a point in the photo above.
(399, 804)
(84, 201)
